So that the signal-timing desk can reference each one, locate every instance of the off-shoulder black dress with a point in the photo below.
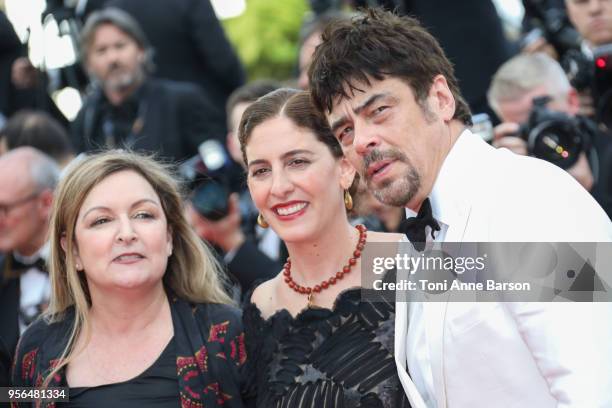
(325, 358)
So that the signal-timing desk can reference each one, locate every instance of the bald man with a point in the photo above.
(27, 181)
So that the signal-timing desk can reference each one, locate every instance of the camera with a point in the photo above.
(206, 177)
(555, 136)
(595, 75)
(550, 22)
(482, 127)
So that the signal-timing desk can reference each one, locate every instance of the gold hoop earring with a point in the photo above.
(261, 221)
(348, 200)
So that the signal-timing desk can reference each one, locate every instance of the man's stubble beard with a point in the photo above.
(396, 192)
(123, 81)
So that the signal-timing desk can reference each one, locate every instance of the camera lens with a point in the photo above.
(210, 199)
(556, 142)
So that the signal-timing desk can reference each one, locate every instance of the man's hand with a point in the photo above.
(541, 45)
(504, 135)
(224, 233)
(581, 171)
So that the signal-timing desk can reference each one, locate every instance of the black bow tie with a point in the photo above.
(414, 227)
(19, 266)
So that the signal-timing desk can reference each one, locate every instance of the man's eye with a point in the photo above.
(379, 110)
(344, 132)
(345, 136)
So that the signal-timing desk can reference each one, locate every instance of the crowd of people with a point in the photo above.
(194, 239)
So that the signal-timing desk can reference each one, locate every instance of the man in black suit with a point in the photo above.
(27, 181)
(129, 109)
(190, 46)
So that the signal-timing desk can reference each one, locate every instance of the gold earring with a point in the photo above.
(261, 221)
(348, 200)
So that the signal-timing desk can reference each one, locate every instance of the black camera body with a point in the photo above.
(595, 75)
(555, 136)
(551, 22)
(206, 177)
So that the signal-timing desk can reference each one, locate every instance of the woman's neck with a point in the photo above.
(125, 311)
(318, 259)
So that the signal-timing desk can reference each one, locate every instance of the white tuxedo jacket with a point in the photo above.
(517, 355)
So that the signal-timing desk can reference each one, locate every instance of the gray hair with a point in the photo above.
(124, 22)
(524, 72)
(44, 171)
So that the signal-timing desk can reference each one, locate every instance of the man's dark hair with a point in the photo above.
(376, 44)
(39, 130)
(249, 93)
(124, 22)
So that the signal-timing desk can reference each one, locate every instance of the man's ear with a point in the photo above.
(442, 98)
(347, 173)
(45, 200)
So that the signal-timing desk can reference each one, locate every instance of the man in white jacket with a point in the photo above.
(393, 103)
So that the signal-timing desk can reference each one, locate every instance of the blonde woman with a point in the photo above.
(138, 316)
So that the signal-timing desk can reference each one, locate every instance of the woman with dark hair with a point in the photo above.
(314, 342)
(138, 316)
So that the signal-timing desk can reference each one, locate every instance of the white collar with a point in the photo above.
(43, 253)
(448, 195)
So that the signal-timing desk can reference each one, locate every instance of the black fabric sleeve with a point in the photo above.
(199, 120)
(213, 46)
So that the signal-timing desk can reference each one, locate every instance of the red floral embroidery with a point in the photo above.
(27, 365)
(238, 352)
(214, 388)
(187, 402)
(218, 331)
(183, 363)
(201, 357)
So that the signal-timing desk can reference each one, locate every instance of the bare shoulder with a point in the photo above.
(265, 294)
(374, 236)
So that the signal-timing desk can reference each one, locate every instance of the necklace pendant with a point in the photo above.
(310, 300)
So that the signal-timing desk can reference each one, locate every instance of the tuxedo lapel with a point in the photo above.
(401, 332)
(435, 316)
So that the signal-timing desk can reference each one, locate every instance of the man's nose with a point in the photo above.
(595, 6)
(365, 139)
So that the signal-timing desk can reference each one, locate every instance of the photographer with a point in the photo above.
(129, 108)
(267, 240)
(592, 19)
(515, 86)
(214, 213)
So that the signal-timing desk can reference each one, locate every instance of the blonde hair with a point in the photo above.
(192, 273)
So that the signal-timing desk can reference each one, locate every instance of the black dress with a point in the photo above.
(155, 387)
(325, 358)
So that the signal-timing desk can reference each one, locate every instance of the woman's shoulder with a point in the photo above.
(45, 328)
(44, 339)
(217, 318)
(260, 297)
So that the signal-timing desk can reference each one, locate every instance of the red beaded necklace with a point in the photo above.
(307, 290)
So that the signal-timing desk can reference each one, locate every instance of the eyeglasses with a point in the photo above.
(5, 209)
